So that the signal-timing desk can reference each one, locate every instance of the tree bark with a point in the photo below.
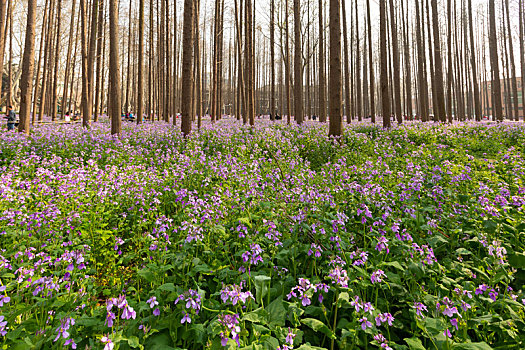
(494, 65)
(385, 96)
(187, 69)
(298, 65)
(438, 65)
(140, 82)
(26, 83)
(371, 63)
(114, 72)
(322, 80)
(335, 86)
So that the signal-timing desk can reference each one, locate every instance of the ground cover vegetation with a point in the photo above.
(275, 237)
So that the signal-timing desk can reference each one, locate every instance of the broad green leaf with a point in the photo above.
(414, 343)
(318, 326)
(471, 346)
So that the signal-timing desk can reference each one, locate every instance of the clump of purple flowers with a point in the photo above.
(122, 304)
(305, 290)
(377, 276)
(253, 256)
(3, 328)
(383, 342)
(62, 331)
(231, 328)
(234, 294)
(152, 302)
(316, 250)
(191, 303)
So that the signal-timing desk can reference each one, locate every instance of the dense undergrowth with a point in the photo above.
(272, 238)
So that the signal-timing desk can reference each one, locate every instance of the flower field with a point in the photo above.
(271, 238)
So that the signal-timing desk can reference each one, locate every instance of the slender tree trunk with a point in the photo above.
(26, 83)
(347, 59)
(450, 76)
(40, 55)
(421, 68)
(512, 66)
(100, 43)
(395, 62)
(114, 72)
(522, 57)
(57, 56)
(438, 65)
(140, 87)
(408, 69)
(359, 98)
(385, 95)
(85, 74)
(493, 44)
(287, 63)
(272, 60)
(187, 69)
(322, 80)
(371, 63)
(3, 29)
(298, 65)
(335, 86)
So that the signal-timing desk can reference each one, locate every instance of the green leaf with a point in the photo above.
(167, 287)
(318, 326)
(394, 264)
(277, 312)
(309, 347)
(414, 343)
(490, 226)
(471, 346)
(133, 342)
(147, 275)
(262, 285)
(517, 260)
(259, 315)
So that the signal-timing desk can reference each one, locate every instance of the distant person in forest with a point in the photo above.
(11, 118)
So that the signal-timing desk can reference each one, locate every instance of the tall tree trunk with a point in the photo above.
(298, 65)
(68, 59)
(522, 56)
(421, 68)
(187, 69)
(272, 60)
(477, 104)
(114, 71)
(347, 59)
(385, 95)
(322, 80)
(26, 83)
(359, 98)
(57, 53)
(371, 63)
(3, 29)
(395, 62)
(450, 76)
(127, 104)
(140, 83)
(408, 69)
(40, 56)
(493, 47)
(85, 73)
(512, 66)
(99, 63)
(335, 86)
(438, 65)
(287, 63)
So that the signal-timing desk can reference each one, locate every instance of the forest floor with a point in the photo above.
(268, 238)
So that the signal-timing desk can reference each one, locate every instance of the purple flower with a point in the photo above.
(110, 318)
(454, 322)
(447, 333)
(62, 331)
(72, 343)
(109, 345)
(420, 307)
(450, 311)
(128, 313)
(382, 244)
(3, 328)
(384, 317)
(365, 323)
(186, 318)
(377, 276)
(156, 312)
(4, 300)
(290, 337)
(152, 302)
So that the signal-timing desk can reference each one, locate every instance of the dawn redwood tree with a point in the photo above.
(3, 14)
(187, 69)
(385, 95)
(54, 104)
(477, 103)
(334, 85)
(513, 79)
(421, 68)
(322, 79)
(28, 62)
(395, 61)
(272, 59)
(370, 64)
(140, 82)
(114, 69)
(298, 65)
(522, 55)
(494, 65)
(438, 66)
